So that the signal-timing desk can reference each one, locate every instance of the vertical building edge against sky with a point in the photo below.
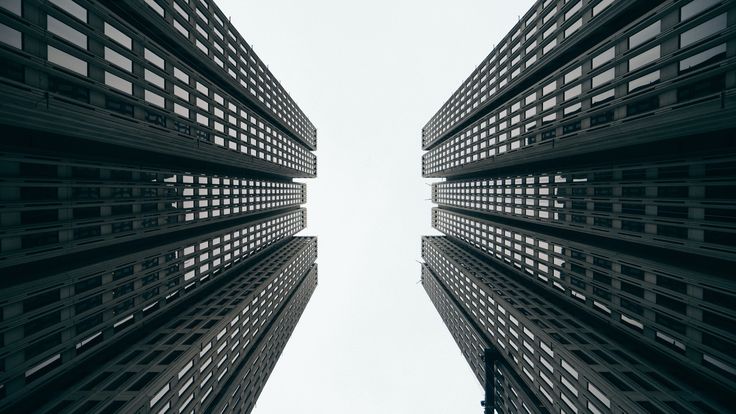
(149, 209)
(588, 209)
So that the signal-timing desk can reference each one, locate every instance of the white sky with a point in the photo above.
(369, 75)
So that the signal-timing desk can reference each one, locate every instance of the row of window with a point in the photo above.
(205, 28)
(665, 203)
(586, 94)
(548, 24)
(82, 206)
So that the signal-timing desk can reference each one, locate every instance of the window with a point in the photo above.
(181, 110)
(66, 32)
(14, 6)
(569, 369)
(155, 99)
(181, 93)
(602, 78)
(118, 83)
(67, 61)
(118, 60)
(696, 7)
(645, 34)
(118, 36)
(573, 74)
(704, 30)
(644, 58)
(643, 81)
(605, 56)
(154, 79)
(573, 10)
(154, 58)
(573, 92)
(156, 7)
(598, 394)
(703, 58)
(184, 32)
(573, 27)
(602, 5)
(70, 7)
(11, 37)
(181, 75)
(549, 103)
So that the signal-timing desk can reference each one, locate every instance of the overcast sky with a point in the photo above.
(369, 75)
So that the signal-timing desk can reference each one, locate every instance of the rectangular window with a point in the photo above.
(602, 97)
(11, 37)
(573, 27)
(13, 6)
(605, 56)
(154, 58)
(549, 103)
(598, 394)
(67, 61)
(181, 93)
(573, 10)
(703, 58)
(155, 99)
(549, 46)
(156, 7)
(645, 34)
(118, 60)
(602, 5)
(573, 92)
(602, 78)
(569, 369)
(184, 32)
(181, 110)
(66, 32)
(154, 79)
(70, 7)
(573, 74)
(118, 83)
(696, 7)
(703, 30)
(113, 33)
(644, 58)
(643, 81)
(181, 75)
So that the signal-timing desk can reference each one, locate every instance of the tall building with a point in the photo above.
(589, 209)
(148, 209)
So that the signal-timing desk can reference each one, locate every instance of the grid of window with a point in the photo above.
(471, 343)
(244, 392)
(511, 396)
(552, 351)
(178, 366)
(684, 316)
(636, 73)
(53, 207)
(141, 81)
(54, 321)
(545, 30)
(682, 205)
(209, 32)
